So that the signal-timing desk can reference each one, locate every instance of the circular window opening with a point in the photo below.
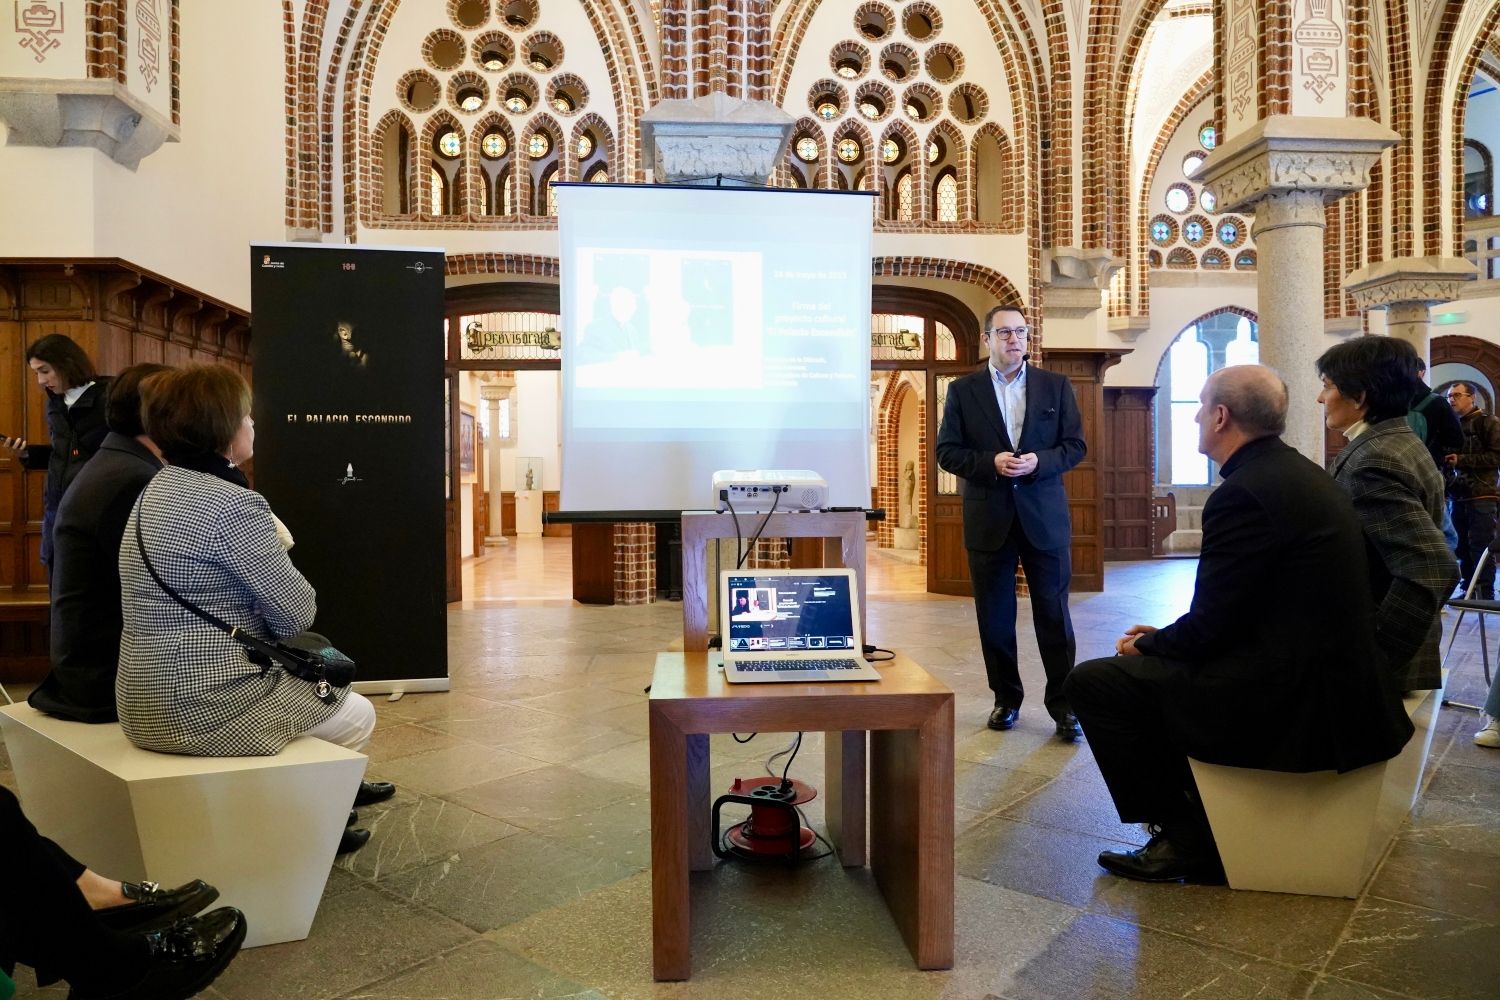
(1215, 259)
(1207, 201)
(518, 13)
(448, 143)
(1179, 198)
(848, 150)
(471, 13)
(1196, 230)
(445, 49)
(420, 93)
(874, 21)
(935, 150)
(1229, 233)
(898, 62)
(968, 103)
(539, 145)
(543, 52)
(827, 101)
(807, 149)
(493, 51)
(920, 23)
(944, 63)
(1191, 163)
(470, 99)
(849, 61)
(892, 150)
(585, 146)
(517, 101)
(1208, 136)
(494, 145)
(874, 101)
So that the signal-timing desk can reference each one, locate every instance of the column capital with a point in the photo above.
(714, 137)
(1424, 280)
(1329, 156)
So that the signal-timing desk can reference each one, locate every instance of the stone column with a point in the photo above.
(1285, 169)
(1407, 288)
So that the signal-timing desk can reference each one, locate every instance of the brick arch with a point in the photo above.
(887, 470)
(491, 120)
(525, 185)
(995, 284)
(1249, 314)
(850, 129)
(529, 264)
(573, 168)
(1459, 349)
(1009, 175)
(632, 74)
(423, 156)
(806, 125)
(957, 158)
(377, 150)
(1139, 301)
(903, 132)
(1458, 90)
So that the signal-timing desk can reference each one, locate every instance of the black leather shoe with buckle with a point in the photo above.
(371, 792)
(1166, 860)
(1003, 717)
(185, 958)
(153, 907)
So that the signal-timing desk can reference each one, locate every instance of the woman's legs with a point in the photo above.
(350, 726)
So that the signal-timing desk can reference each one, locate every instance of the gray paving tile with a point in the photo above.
(481, 970)
(415, 830)
(451, 768)
(547, 795)
(1426, 953)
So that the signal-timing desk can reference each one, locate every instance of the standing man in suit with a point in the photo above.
(1275, 665)
(1009, 432)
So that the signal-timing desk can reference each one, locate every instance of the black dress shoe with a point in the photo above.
(352, 840)
(353, 818)
(1068, 729)
(371, 792)
(1165, 860)
(1003, 717)
(185, 958)
(155, 907)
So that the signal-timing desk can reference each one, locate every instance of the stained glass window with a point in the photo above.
(1193, 232)
(903, 198)
(1161, 232)
(933, 151)
(1178, 199)
(828, 111)
(494, 145)
(538, 145)
(1228, 233)
(470, 100)
(585, 146)
(450, 143)
(947, 198)
(517, 103)
(1208, 137)
(848, 150)
(1207, 200)
(807, 148)
(891, 150)
(1192, 162)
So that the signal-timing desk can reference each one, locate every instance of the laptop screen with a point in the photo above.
(795, 613)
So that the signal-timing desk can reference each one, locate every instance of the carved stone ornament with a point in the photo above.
(1331, 156)
(714, 139)
(1425, 280)
(97, 113)
(1129, 328)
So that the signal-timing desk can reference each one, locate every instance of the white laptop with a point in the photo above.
(797, 625)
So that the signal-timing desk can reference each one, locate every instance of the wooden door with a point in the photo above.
(947, 561)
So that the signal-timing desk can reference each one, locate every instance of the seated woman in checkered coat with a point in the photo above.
(184, 686)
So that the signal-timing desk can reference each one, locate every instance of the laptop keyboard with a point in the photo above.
(785, 666)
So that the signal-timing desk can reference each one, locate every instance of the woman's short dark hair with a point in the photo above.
(195, 411)
(122, 405)
(66, 358)
(1380, 371)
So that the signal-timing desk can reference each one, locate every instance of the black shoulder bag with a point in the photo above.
(307, 655)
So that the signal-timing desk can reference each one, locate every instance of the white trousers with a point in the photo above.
(350, 726)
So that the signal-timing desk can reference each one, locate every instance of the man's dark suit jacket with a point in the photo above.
(973, 433)
(1281, 669)
(86, 618)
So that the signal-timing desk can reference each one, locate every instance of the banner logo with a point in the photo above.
(267, 262)
(420, 267)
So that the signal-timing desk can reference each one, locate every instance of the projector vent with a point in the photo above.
(811, 498)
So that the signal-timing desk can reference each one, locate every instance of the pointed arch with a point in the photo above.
(860, 171)
(456, 198)
(495, 177)
(891, 173)
(953, 161)
(993, 183)
(394, 141)
(532, 172)
(808, 171)
(604, 148)
(1463, 59)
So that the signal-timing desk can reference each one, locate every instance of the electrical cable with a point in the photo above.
(739, 536)
(747, 739)
(788, 770)
(870, 652)
(758, 531)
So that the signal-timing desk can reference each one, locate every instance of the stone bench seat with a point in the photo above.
(264, 830)
(1317, 834)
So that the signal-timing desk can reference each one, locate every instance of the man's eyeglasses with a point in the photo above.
(1459, 395)
(1010, 332)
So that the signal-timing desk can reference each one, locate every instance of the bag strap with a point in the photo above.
(235, 632)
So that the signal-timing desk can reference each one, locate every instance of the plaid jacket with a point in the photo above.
(184, 686)
(1398, 495)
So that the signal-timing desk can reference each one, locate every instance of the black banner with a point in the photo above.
(347, 345)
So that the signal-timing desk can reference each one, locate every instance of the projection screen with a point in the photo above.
(712, 328)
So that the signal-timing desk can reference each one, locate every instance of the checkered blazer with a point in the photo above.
(184, 686)
(1398, 495)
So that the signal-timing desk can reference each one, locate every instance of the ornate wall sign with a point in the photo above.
(39, 22)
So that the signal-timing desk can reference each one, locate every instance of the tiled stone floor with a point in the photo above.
(514, 860)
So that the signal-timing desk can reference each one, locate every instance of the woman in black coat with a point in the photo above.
(75, 421)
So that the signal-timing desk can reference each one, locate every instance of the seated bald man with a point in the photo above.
(1274, 666)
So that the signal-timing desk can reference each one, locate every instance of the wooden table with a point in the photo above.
(909, 717)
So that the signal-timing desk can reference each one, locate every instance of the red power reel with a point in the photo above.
(774, 828)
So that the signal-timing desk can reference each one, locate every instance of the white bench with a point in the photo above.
(1318, 834)
(264, 830)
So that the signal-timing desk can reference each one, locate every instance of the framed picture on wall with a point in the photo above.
(466, 434)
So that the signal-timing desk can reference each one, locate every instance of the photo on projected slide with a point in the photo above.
(667, 320)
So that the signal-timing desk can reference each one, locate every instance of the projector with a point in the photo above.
(758, 489)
